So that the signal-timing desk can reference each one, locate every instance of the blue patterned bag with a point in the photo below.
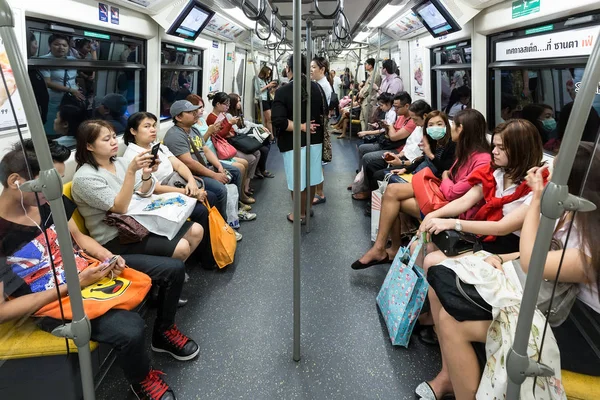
(402, 295)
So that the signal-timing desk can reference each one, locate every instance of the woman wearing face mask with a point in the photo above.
(541, 115)
(59, 81)
(472, 152)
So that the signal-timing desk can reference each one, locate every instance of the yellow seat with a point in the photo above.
(581, 387)
(23, 339)
(76, 215)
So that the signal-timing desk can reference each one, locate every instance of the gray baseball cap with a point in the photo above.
(182, 106)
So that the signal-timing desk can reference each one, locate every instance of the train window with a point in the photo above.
(452, 84)
(181, 75)
(79, 74)
(538, 81)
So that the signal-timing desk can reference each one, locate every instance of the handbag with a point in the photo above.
(402, 295)
(244, 143)
(327, 154)
(427, 191)
(70, 99)
(453, 243)
(130, 231)
(123, 292)
(225, 151)
(222, 237)
(461, 300)
(259, 133)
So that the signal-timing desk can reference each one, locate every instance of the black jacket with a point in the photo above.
(282, 110)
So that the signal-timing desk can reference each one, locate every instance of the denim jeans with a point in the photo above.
(216, 187)
(124, 330)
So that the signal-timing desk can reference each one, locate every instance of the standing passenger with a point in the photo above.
(263, 85)
(283, 109)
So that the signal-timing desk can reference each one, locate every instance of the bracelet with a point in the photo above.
(146, 180)
(501, 260)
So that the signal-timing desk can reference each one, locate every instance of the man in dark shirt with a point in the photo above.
(124, 330)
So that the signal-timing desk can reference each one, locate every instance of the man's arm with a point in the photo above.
(212, 158)
(28, 304)
(194, 166)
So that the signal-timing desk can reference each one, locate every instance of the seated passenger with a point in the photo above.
(517, 148)
(185, 142)
(411, 151)
(472, 153)
(540, 115)
(121, 329)
(221, 102)
(112, 109)
(244, 126)
(67, 121)
(104, 182)
(577, 337)
(385, 103)
(459, 100)
(590, 131)
(508, 105)
(172, 175)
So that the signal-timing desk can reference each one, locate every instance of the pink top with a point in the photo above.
(457, 187)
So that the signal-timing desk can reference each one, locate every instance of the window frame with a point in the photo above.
(438, 68)
(177, 67)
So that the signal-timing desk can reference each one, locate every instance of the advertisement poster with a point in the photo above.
(416, 69)
(224, 28)
(102, 12)
(7, 119)
(405, 24)
(114, 15)
(215, 69)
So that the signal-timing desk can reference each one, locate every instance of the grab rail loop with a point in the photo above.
(262, 9)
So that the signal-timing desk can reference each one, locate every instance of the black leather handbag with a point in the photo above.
(453, 243)
(244, 143)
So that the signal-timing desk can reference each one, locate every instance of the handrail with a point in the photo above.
(341, 23)
(261, 10)
(555, 201)
(328, 16)
(50, 184)
(269, 29)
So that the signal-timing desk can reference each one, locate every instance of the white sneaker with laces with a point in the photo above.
(238, 236)
(245, 215)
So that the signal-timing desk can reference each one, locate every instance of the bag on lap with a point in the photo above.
(130, 230)
(427, 191)
(244, 143)
(222, 238)
(402, 295)
(225, 151)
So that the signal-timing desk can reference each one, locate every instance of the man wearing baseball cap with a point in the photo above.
(186, 142)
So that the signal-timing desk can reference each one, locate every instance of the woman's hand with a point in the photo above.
(75, 92)
(191, 189)
(437, 225)
(214, 128)
(234, 120)
(446, 175)
(313, 127)
(398, 171)
(494, 261)
(141, 161)
(535, 180)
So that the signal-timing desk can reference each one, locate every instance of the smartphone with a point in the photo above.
(220, 118)
(154, 152)
(389, 157)
(110, 263)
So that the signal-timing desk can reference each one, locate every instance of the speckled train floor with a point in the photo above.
(242, 317)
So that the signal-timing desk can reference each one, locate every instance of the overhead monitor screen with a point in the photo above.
(436, 18)
(191, 21)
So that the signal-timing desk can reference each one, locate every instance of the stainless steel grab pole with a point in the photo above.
(257, 94)
(297, 77)
(555, 200)
(309, 53)
(50, 184)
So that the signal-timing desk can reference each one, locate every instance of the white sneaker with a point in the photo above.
(245, 215)
(238, 236)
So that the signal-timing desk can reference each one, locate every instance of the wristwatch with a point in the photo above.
(458, 226)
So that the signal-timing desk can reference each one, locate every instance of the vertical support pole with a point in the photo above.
(309, 55)
(257, 94)
(555, 200)
(297, 115)
(50, 183)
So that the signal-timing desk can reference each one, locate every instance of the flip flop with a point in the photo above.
(425, 392)
(302, 220)
(319, 199)
(268, 174)
(363, 196)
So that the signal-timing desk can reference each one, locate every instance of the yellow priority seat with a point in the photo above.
(581, 387)
(76, 215)
(23, 339)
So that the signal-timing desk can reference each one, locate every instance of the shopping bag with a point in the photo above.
(402, 295)
(162, 214)
(376, 197)
(232, 206)
(222, 237)
(359, 185)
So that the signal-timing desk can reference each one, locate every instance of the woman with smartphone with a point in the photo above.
(105, 183)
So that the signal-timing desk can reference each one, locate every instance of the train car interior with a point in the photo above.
(158, 240)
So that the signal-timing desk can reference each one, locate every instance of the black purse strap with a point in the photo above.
(466, 296)
(196, 152)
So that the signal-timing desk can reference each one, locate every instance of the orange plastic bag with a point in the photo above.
(222, 237)
(124, 292)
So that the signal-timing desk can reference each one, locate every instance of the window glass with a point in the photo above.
(545, 97)
(105, 83)
(180, 75)
(451, 86)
